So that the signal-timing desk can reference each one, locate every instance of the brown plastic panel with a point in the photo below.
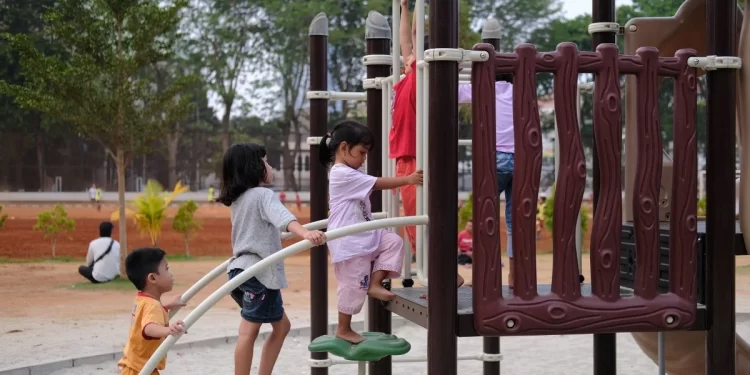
(565, 310)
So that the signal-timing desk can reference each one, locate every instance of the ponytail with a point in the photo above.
(325, 154)
(349, 131)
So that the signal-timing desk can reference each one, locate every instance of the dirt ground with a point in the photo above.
(19, 241)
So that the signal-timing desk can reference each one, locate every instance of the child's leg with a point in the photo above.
(388, 260)
(272, 347)
(404, 167)
(353, 276)
(243, 352)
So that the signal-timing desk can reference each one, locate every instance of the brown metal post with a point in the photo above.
(443, 197)
(378, 40)
(491, 33)
(605, 345)
(720, 191)
(318, 184)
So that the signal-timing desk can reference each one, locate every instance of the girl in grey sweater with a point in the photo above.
(257, 218)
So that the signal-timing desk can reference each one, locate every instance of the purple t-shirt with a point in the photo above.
(503, 113)
(349, 192)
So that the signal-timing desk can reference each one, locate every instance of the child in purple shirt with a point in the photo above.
(362, 260)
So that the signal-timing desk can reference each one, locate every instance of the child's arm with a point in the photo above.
(157, 331)
(315, 236)
(405, 31)
(387, 183)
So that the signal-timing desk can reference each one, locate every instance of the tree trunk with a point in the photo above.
(54, 245)
(225, 124)
(173, 141)
(288, 163)
(123, 228)
(39, 151)
(187, 245)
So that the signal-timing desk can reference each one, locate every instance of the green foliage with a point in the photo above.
(184, 222)
(150, 208)
(702, 207)
(465, 212)
(548, 212)
(52, 223)
(3, 217)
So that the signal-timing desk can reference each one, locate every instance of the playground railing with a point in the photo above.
(279, 256)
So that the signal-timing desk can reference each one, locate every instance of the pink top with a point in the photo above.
(349, 192)
(503, 113)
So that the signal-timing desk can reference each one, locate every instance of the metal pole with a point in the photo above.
(605, 344)
(491, 33)
(318, 184)
(378, 42)
(720, 189)
(442, 233)
(661, 354)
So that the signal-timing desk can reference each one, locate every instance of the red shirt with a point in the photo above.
(403, 137)
(465, 242)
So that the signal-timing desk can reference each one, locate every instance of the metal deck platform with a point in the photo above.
(409, 305)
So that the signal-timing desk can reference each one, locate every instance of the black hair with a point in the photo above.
(243, 168)
(504, 77)
(142, 262)
(427, 42)
(349, 131)
(105, 229)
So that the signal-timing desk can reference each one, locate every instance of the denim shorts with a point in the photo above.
(258, 304)
(505, 164)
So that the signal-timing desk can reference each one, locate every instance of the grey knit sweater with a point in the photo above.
(257, 218)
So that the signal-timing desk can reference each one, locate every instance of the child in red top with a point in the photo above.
(466, 245)
(402, 140)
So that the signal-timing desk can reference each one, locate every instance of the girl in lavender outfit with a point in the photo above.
(363, 260)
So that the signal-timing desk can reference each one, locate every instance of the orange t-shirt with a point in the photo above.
(403, 136)
(140, 347)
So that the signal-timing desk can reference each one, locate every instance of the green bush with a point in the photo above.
(702, 207)
(2, 217)
(465, 212)
(52, 223)
(548, 211)
(184, 223)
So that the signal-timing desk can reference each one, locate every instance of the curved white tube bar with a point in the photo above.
(221, 269)
(279, 256)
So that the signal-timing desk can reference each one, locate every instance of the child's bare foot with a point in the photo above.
(350, 336)
(378, 292)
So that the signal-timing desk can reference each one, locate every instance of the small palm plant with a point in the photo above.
(185, 223)
(150, 208)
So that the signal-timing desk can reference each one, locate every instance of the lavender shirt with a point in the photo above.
(503, 113)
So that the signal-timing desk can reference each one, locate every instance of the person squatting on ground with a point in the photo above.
(148, 270)
(362, 260)
(103, 257)
(257, 219)
(466, 245)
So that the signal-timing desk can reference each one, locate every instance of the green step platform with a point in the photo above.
(376, 346)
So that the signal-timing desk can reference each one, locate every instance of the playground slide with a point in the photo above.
(685, 350)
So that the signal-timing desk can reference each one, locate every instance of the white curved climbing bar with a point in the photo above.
(279, 256)
(221, 268)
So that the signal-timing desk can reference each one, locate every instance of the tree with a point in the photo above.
(223, 42)
(184, 223)
(519, 18)
(99, 87)
(150, 209)
(3, 217)
(52, 223)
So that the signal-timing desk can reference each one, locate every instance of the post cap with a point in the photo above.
(319, 25)
(376, 26)
(492, 29)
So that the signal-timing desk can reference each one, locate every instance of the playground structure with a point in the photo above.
(683, 301)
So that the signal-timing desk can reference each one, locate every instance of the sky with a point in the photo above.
(571, 8)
